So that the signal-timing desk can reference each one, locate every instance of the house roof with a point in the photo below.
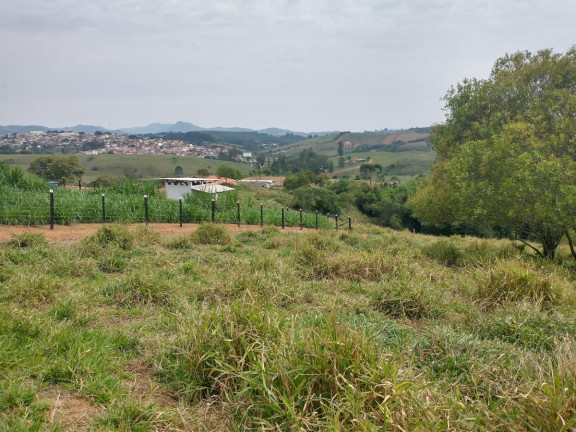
(211, 188)
(186, 179)
(222, 180)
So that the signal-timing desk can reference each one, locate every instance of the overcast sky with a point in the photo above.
(306, 65)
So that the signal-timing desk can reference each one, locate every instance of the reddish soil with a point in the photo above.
(67, 234)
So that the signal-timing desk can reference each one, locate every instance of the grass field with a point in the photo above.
(365, 331)
(133, 166)
(403, 165)
(328, 144)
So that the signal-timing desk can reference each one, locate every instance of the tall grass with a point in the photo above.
(273, 330)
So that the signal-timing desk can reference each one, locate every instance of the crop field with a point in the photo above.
(117, 205)
(132, 166)
(26, 200)
(265, 330)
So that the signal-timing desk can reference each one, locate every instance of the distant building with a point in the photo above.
(176, 187)
(258, 184)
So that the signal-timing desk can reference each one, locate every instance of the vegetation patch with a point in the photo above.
(211, 234)
(514, 281)
(446, 252)
(27, 240)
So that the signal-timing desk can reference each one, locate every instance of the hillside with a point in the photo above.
(268, 330)
(402, 154)
(132, 166)
(391, 141)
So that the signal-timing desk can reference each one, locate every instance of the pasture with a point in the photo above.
(120, 166)
(369, 330)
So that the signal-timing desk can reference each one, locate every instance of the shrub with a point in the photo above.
(212, 234)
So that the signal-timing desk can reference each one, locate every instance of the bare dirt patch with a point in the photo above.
(69, 410)
(68, 234)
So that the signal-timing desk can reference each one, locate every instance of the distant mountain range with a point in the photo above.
(153, 128)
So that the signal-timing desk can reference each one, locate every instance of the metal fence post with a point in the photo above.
(300, 218)
(336, 219)
(349, 223)
(180, 211)
(146, 209)
(261, 215)
(51, 209)
(94, 184)
(79, 184)
(213, 210)
(282, 217)
(316, 219)
(238, 206)
(103, 209)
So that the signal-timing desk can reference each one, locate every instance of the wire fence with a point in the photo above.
(64, 207)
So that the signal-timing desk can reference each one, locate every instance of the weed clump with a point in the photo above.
(140, 289)
(179, 243)
(319, 257)
(211, 234)
(308, 376)
(399, 299)
(112, 236)
(513, 281)
(144, 236)
(27, 240)
(445, 252)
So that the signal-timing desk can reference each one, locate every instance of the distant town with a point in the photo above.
(68, 142)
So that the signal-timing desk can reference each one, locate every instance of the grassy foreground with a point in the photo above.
(266, 330)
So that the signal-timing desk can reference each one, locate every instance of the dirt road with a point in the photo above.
(66, 234)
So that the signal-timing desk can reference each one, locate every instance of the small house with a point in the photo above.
(176, 187)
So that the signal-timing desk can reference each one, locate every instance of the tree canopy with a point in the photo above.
(507, 152)
(228, 172)
(56, 168)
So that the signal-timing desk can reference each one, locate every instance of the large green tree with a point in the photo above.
(507, 152)
(56, 168)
